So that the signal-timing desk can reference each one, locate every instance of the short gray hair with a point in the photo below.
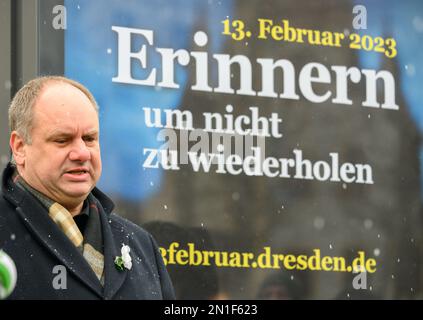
(21, 107)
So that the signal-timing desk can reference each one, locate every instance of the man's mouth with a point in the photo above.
(80, 174)
(77, 171)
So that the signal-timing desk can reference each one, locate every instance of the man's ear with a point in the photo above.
(17, 145)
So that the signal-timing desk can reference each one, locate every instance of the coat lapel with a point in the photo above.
(49, 234)
(113, 242)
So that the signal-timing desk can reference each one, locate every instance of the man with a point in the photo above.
(55, 224)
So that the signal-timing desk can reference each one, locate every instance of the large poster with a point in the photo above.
(271, 147)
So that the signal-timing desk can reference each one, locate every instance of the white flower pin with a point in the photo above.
(125, 260)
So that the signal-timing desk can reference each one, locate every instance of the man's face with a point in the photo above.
(63, 161)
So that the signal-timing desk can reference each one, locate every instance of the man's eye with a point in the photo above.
(60, 141)
(89, 139)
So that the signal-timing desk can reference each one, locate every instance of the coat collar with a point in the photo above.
(35, 217)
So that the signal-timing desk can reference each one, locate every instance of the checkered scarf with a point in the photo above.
(91, 243)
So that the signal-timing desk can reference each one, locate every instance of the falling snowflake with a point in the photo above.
(368, 224)
(319, 223)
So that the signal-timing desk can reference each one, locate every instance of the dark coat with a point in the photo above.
(37, 245)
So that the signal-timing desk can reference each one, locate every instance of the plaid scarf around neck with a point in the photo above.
(90, 245)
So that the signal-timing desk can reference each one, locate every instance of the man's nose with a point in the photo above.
(79, 152)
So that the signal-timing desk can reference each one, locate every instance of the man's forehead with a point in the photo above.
(65, 115)
(57, 118)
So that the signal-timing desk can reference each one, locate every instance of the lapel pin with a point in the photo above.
(125, 260)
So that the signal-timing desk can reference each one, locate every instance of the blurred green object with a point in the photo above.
(8, 275)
